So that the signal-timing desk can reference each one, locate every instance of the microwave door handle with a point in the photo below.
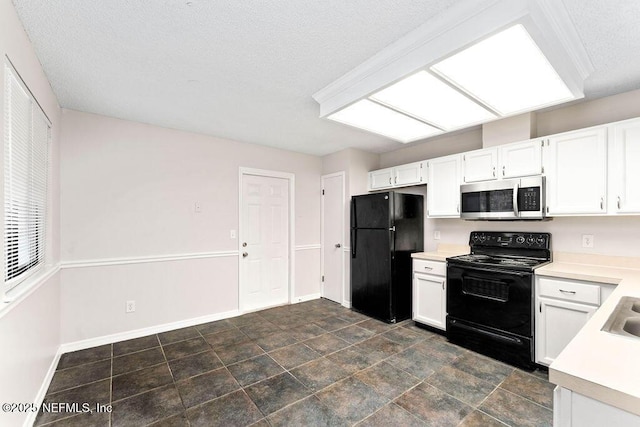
(516, 187)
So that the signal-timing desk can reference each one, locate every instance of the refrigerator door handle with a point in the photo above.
(354, 235)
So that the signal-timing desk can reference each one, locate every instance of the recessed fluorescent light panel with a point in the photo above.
(424, 96)
(376, 118)
(507, 72)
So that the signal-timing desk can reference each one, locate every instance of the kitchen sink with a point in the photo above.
(625, 319)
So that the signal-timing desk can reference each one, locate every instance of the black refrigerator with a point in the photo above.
(386, 228)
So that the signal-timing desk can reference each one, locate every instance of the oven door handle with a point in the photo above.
(516, 211)
(494, 270)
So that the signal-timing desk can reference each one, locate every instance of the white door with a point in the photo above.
(480, 165)
(333, 216)
(429, 300)
(264, 242)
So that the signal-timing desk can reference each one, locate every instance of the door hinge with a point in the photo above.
(323, 278)
(323, 191)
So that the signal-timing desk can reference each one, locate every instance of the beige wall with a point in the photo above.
(129, 191)
(30, 326)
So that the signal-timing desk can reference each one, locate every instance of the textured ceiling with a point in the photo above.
(246, 70)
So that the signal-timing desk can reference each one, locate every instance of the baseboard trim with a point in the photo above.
(143, 260)
(31, 416)
(346, 304)
(305, 298)
(137, 333)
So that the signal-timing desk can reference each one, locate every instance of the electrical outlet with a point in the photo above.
(197, 207)
(232, 234)
(130, 306)
(587, 240)
(436, 235)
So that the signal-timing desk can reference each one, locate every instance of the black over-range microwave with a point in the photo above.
(507, 199)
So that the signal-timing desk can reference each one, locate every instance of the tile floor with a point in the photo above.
(309, 364)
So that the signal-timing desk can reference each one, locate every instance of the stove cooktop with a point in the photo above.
(519, 263)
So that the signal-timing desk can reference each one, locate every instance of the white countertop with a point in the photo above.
(598, 364)
(443, 251)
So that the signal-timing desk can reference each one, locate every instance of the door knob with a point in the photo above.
(244, 254)
(244, 244)
(338, 245)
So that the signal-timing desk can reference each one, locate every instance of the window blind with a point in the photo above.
(26, 140)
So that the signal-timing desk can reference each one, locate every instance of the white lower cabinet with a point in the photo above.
(430, 293)
(571, 409)
(563, 307)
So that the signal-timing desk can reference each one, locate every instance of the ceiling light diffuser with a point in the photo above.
(508, 72)
(424, 96)
(376, 118)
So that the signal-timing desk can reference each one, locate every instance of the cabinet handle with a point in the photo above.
(601, 203)
(458, 208)
(503, 172)
(428, 268)
(494, 172)
(389, 180)
(395, 180)
(567, 292)
(443, 286)
(618, 202)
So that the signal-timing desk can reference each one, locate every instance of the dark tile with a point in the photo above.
(327, 343)
(440, 350)
(226, 338)
(195, 364)
(126, 385)
(305, 332)
(433, 406)
(332, 323)
(379, 347)
(404, 336)
(482, 367)
(178, 335)
(96, 419)
(260, 329)
(543, 374)
(415, 363)
(238, 352)
(531, 387)
(136, 344)
(352, 399)
(212, 327)
(94, 393)
(351, 360)
(515, 410)
(134, 361)
(208, 386)
(185, 348)
(307, 412)
(247, 319)
(352, 316)
(376, 326)
(234, 409)
(178, 420)
(262, 423)
(480, 419)
(353, 334)
(319, 373)
(390, 415)
(294, 355)
(147, 407)
(462, 386)
(254, 370)
(81, 357)
(276, 340)
(78, 375)
(387, 380)
(276, 392)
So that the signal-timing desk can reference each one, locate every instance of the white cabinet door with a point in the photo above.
(380, 179)
(480, 165)
(624, 170)
(410, 174)
(520, 159)
(576, 169)
(429, 300)
(557, 322)
(443, 191)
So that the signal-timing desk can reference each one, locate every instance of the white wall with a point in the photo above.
(128, 192)
(30, 326)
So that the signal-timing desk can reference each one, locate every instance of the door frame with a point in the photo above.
(342, 233)
(290, 177)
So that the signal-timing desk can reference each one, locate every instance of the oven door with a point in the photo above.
(491, 297)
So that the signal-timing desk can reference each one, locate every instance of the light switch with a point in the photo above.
(232, 234)
(197, 207)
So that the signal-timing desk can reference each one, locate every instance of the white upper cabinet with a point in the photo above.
(397, 176)
(443, 192)
(576, 170)
(624, 167)
(480, 165)
(380, 179)
(520, 159)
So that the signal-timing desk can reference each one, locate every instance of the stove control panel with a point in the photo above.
(510, 239)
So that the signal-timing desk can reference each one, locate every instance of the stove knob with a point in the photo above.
(483, 237)
(541, 240)
(530, 240)
(520, 239)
